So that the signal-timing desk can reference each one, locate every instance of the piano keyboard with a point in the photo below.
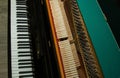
(21, 53)
(64, 44)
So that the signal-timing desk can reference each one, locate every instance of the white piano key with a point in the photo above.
(20, 58)
(25, 69)
(23, 18)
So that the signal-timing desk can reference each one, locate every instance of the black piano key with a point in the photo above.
(23, 34)
(22, 25)
(23, 37)
(24, 60)
(22, 30)
(21, 12)
(23, 42)
(21, 52)
(22, 22)
(24, 76)
(25, 67)
(20, 0)
(23, 47)
(21, 15)
(21, 7)
(22, 72)
(20, 3)
(24, 55)
(18, 14)
(26, 63)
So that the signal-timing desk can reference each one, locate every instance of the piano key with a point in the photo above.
(22, 25)
(22, 16)
(20, 0)
(29, 75)
(16, 58)
(23, 42)
(18, 14)
(21, 12)
(25, 67)
(23, 37)
(22, 19)
(26, 76)
(24, 60)
(21, 7)
(27, 63)
(24, 52)
(24, 55)
(20, 3)
(25, 71)
(23, 45)
(23, 22)
(22, 30)
(22, 72)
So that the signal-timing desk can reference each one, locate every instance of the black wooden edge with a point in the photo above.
(9, 41)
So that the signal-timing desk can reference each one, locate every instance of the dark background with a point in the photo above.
(111, 9)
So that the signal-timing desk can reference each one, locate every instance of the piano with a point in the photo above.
(58, 39)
